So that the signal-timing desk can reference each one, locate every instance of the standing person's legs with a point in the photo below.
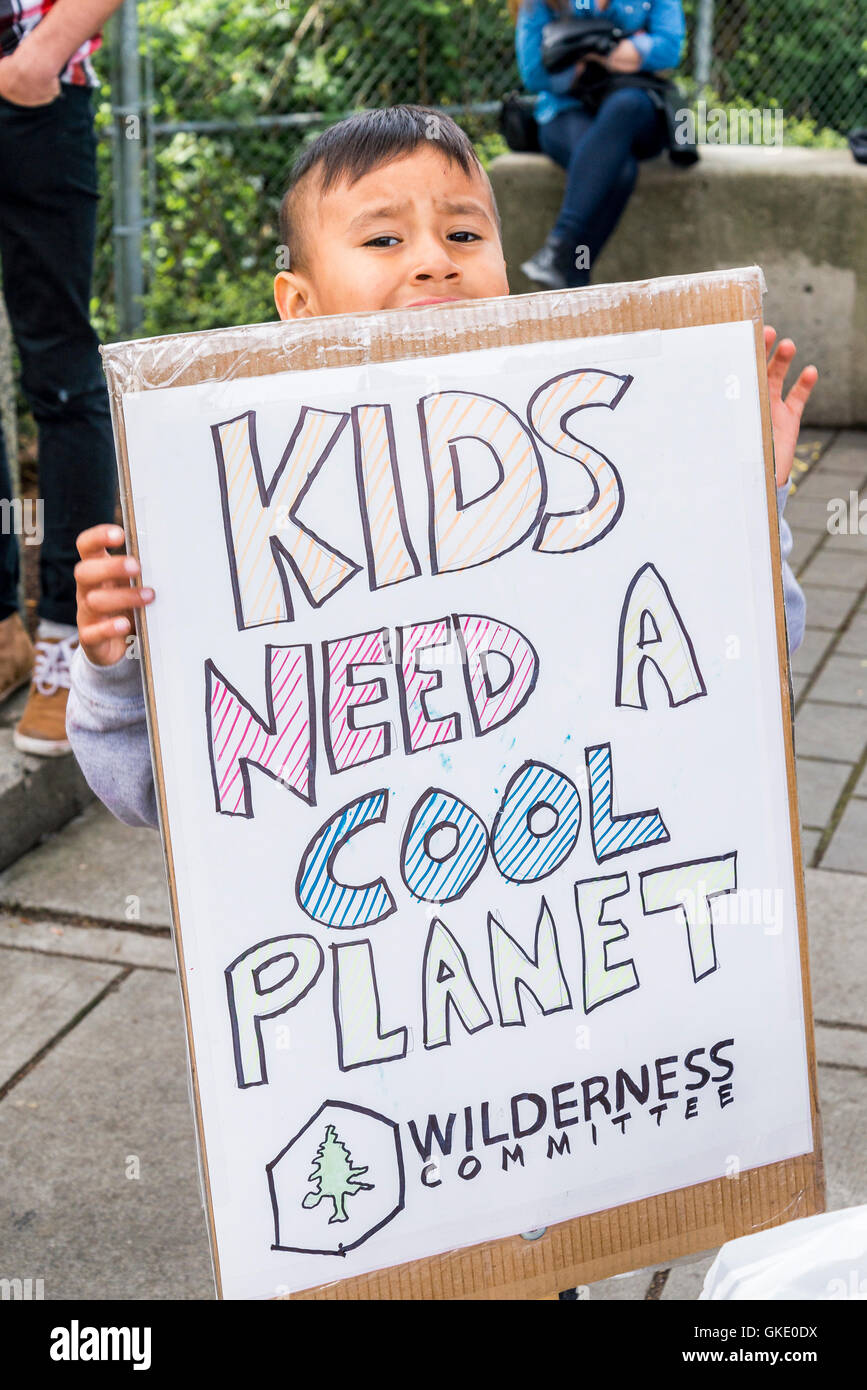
(47, 237)
(16, 650)
(8, 541)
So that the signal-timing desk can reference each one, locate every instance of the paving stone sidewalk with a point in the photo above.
(830, 669)
(101, 1196)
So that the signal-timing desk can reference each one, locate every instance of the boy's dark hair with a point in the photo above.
(361, 143)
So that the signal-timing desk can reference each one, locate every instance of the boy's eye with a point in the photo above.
(386, 240)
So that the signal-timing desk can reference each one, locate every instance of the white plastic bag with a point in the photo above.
(820, 1257)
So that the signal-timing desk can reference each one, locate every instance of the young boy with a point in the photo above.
(385, 210)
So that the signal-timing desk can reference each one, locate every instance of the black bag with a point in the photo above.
(567, 40)
(595, 82)
(858, 144)
(518, 123)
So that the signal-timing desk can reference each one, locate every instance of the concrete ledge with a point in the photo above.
(37, 795)
(798, 213)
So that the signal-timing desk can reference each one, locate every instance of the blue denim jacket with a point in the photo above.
(661, 23)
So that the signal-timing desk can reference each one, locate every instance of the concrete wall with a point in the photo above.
(800, 214)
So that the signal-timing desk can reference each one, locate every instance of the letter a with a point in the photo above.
(652, 630)
(448, 985)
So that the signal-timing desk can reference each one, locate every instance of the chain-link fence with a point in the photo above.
(808, 57)
(224, 93)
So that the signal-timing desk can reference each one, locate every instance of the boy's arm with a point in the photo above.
(786, 422)
(107, 729)
(793, 595)
(786, 414)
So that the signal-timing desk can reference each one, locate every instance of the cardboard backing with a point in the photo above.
(656, 1229)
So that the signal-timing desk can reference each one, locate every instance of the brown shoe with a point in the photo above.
(42, 727)
(16, 655)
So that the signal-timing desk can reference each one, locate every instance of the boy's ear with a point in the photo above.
(292, 296)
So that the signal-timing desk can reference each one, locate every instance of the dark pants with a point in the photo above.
(48, 198)
(600, 154)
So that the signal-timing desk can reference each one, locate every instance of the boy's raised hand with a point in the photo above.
(105, 596)
(786, 414)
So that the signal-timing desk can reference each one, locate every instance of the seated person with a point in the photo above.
(599, 150)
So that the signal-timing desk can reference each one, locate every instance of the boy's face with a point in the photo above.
(415, 230)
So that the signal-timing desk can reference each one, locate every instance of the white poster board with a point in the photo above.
(525, 592)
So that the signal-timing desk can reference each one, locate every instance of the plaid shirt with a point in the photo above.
(18, 17)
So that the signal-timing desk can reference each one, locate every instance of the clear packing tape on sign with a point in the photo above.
(497, 926)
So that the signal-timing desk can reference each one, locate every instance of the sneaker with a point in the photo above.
(552, 266)
(16, 655)
(42, 727)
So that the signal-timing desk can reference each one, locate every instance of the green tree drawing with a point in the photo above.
(334, 1176)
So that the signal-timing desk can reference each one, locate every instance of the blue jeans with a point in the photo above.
(600, 154)
(48, 198)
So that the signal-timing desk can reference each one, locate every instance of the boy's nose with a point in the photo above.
(435, 263)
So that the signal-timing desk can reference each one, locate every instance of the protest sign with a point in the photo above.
(468, 697)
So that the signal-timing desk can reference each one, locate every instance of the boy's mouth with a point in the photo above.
(435, 299)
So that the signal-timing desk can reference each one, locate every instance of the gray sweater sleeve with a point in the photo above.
(107, 728)
(106, 725)
(793, 595)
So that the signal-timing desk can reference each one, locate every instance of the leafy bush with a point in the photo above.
(811, 60)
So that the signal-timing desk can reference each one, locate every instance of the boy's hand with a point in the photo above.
(786, 414)
(105, 597)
